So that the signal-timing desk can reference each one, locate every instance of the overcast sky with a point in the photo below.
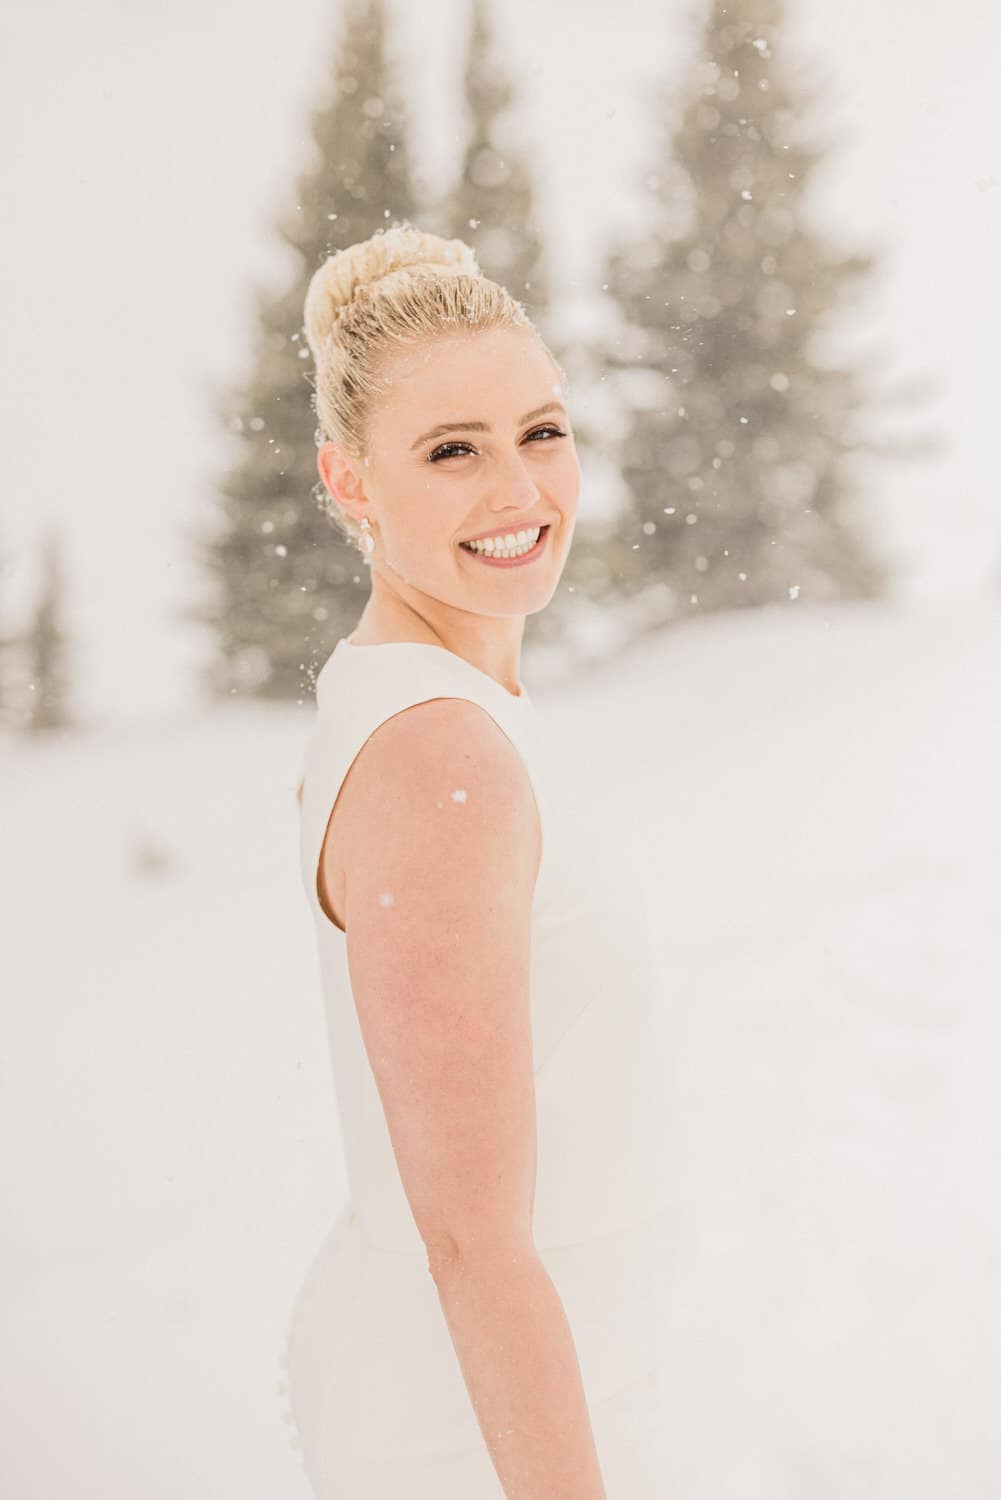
(150, 146)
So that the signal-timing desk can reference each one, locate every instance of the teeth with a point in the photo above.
(514, 544)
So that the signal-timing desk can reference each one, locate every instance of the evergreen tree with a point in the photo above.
(285, 585)
(491, 206)
(45, 646)
(738, 446)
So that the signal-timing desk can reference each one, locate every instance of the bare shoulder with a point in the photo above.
(440, 777)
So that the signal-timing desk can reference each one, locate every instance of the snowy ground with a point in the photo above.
(815, 795)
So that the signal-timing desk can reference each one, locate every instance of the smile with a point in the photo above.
(500, 555)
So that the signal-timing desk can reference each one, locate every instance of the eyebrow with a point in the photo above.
(483, 426)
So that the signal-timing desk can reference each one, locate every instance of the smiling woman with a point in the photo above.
(464, 537)
(483, 1317)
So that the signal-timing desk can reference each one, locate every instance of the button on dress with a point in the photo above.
(375, 1398)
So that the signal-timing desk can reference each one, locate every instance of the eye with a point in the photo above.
(448, 450)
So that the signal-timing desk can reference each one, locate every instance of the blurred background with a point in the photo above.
(762, 240)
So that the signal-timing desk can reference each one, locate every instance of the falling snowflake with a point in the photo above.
(459, 795)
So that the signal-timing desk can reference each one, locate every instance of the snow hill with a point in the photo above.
(814, 794)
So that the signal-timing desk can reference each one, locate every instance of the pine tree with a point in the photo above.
(491, 206)
(44, 645)
(737, 454)
(284, 583)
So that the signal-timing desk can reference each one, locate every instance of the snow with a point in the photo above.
(812, 793)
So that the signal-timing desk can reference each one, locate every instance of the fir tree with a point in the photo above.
(44, 645)
(738, 446)
(285, 585)
(491, 206)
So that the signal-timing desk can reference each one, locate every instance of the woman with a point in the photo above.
(484, 1318)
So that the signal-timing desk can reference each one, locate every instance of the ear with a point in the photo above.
(341, 473)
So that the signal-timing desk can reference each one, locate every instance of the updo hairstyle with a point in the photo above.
(398, 287)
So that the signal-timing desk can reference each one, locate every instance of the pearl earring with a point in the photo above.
(367, 543)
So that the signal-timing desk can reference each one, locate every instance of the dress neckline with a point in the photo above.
(519, 697)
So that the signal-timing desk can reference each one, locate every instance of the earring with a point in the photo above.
(367, 543)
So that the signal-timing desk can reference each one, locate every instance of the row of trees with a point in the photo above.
(736, 441)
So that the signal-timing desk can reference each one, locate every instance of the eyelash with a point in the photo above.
(443, 450)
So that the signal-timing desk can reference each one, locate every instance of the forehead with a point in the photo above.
(496, 368)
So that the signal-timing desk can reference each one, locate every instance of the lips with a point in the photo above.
(499, 537)
(486, 536)
(495, 560)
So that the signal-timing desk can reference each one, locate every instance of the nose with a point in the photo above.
(516, 488)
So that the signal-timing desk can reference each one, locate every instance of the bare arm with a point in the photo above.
(440, 974)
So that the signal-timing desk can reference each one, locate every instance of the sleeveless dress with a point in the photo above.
(375, 1394)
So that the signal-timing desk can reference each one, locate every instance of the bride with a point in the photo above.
(484, 1317)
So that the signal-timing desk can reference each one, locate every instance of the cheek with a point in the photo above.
(425, 529)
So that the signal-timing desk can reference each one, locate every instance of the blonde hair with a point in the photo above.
(398, 287)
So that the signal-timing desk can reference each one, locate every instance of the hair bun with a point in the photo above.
(334, 284)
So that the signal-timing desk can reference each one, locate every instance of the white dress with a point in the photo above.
(375, 1391)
